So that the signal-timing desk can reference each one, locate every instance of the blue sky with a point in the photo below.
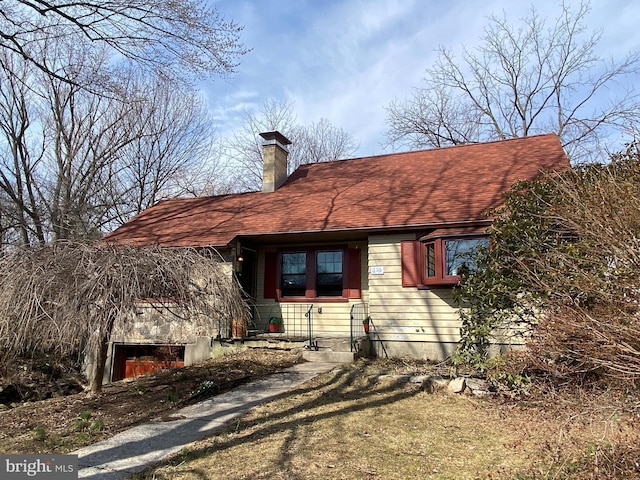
(345, 61)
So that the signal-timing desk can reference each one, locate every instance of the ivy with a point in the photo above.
(495, 294)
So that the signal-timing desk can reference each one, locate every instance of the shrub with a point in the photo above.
(564, 269)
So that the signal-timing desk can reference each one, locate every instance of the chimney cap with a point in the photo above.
(276, 136)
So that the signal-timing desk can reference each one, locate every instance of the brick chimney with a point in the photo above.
(274, 157)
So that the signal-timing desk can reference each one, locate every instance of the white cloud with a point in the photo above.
(346, 60)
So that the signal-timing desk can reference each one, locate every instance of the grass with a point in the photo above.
(346, 425)
(63, 424)
(39, 433)
(358, 422)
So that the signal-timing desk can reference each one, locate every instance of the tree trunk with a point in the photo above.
(100, 348)
(98, 365)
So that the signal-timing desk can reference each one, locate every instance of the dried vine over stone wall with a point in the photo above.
(67, 297)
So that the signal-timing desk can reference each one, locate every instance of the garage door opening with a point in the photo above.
(134, 360)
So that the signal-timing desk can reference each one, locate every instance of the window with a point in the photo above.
(324, 276)
(460, 254)
(294, 278)
(319, 273)
(439, 261)
(430, 259)
(329, 274)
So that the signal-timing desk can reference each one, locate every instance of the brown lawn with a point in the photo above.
(353, 424)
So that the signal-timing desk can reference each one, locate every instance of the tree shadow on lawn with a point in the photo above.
(337, 390)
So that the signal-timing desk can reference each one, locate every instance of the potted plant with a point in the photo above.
(365, 324)
(274, 324)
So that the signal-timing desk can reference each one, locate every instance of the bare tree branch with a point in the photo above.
(168, 38)
(522, 80)
(74, 164)
(312, 143)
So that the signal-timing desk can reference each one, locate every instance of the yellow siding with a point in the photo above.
(334, 317)
(407, 314)
(405, 321)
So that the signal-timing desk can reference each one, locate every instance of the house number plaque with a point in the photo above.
(377, 270)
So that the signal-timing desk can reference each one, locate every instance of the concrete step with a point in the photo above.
(328, 356)
(341, 344)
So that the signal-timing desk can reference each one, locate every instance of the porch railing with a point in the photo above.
(313, 345)
(297, 320)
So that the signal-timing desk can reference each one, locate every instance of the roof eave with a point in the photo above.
(369, 229)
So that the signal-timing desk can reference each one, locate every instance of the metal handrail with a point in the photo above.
(351, 316)
(309, 315)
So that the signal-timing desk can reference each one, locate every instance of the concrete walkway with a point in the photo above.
(135, 449)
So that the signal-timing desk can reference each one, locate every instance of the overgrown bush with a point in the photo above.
(563, 269)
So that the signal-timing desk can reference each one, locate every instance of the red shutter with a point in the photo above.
(354, 274)
(270, 274)
(409, 258)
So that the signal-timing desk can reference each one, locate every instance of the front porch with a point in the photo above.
(298, 326)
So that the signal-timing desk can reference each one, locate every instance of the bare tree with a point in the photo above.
(169, 38)
(20, 153)
(85, 135)
(71, 119)
(66, 298)
(73, 163)
(116, 156)
(319, 142)
(172, 152)
(312, 143)
(245, 146)
(524, 80)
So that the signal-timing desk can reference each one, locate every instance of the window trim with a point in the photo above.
(440, 278)
(311, 273)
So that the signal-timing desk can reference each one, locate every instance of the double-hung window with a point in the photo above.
(330, 273)
(312, 273)
(294, 274)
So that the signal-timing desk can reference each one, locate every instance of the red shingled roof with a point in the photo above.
(423, 188)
